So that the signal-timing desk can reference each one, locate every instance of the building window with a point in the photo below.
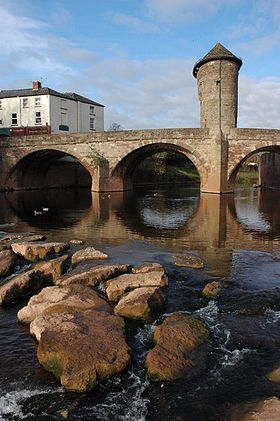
(91, 124)
(25, 102)
(91, 109)
(63, 104)
(38, 117)
(14, 119)
(64, 119)
(0, 104)
(37, 101)
(1, 122)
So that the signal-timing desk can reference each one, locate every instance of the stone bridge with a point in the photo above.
(106, 160)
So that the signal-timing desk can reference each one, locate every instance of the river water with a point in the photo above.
(238, 237)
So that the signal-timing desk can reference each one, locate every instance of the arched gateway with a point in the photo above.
(105, 159)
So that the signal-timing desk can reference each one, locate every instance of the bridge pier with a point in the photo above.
(215, 179)
(269, 170)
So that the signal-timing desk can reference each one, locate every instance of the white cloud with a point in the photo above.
(133, 23)
(28, 45)
(60, 15)
(182, 10)
(259, 102)
(153, 93)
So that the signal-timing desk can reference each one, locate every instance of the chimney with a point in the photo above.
(36, 85)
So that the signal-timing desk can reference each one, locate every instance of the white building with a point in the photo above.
(43, 110)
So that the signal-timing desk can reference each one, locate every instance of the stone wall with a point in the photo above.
(110, 157)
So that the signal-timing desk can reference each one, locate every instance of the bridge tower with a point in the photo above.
(217, 80)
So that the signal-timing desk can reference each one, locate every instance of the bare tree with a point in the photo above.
(115, 127)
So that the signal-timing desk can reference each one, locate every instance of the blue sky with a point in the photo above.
(136, 57)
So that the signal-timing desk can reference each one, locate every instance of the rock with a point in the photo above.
(52, 269)
(7, 241)
(178, 342)
(212, 290)
(12, 236)
(265, 410)
(38, 251)
(141, 304)
(30, 238)
(274, 375)
(76, 242)
(189, 260)
(89, 253)
(56, 300)
(117, 287)
(7, 261)
(92, 275)
(148, 267)
(20, 285)
(83, 348)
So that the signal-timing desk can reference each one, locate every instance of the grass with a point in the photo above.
(247, 178)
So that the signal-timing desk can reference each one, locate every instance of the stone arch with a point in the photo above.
(125, 167)
(48, 168)
(236, 165)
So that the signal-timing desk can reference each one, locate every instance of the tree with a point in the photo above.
(115, 127)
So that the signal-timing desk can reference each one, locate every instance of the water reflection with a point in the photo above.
(248, 214)
(177, 220)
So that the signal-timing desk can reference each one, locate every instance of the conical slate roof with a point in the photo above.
(219, 52)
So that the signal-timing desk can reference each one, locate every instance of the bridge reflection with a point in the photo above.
(212, 225)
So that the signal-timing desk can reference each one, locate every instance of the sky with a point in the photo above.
(136, 56)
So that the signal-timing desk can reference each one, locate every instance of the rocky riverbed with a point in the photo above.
(79, 306)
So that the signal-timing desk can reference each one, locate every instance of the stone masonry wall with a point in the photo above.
(217, 83)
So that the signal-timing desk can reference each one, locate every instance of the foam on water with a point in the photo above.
(272, 316)
(124, 405)
(11, 402)
(231, 358)
(145, 334)
(210, 312)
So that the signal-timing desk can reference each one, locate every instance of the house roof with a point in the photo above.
(219, 52)
(11, 93)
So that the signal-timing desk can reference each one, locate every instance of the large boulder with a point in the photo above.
(178, 351)
(52, 269)
(7, 261)
(89, 253)
(20, 285)
(39, 250)
(83, 348)
(92, 275)
(141, 304)
(189, 260)
(116, 288)
(265, 410)
(56, 300)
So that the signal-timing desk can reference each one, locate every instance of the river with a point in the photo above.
(238, 238)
